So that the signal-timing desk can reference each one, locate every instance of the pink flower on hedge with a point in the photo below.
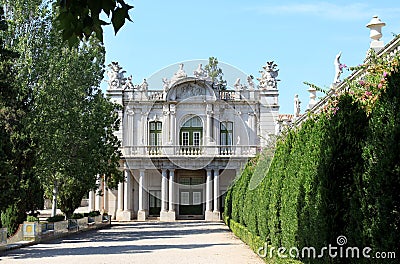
(380, 85)
(384, 74)
(368, 93)
(361, 82)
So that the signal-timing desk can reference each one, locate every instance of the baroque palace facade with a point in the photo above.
(184, 144)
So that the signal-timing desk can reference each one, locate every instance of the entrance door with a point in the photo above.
(191, 197)
(154, 203)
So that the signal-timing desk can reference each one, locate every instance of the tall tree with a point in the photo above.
(215, 73)
(74, 123)
(20, 189)
(70, 122)
(8, 118)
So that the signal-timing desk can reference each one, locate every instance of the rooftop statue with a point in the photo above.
(338, 68)
(179, 74)
(144, 86)
(238, 86)
(200, 72)
(129, 84)
(166, 84)
(116, 77)
(268, 76)
(250, 82)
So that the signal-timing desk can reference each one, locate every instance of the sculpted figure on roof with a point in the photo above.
(269, 76)
(116, 77)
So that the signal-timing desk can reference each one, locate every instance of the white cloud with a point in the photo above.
(332, 11)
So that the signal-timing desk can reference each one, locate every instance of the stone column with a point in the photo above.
(120, 200)
(91, 201)
(141, 212)
(216, 212)
(216, 190)
(164, 190)
(208, 212)
(127, 186)
(171, 190)
(170, 214)
(127, 196)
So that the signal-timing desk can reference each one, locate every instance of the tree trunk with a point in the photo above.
(54, 204)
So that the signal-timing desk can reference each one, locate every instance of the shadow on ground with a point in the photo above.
(124, 233)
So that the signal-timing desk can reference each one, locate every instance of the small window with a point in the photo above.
(155, 138)
(226, 133)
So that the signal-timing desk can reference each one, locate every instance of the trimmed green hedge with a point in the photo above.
(336, 175)
(56, 218)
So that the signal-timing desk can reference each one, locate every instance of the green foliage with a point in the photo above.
(79, 19)
(31, 218)
(64, 136)
(56, 218)
(215, 73)
(94, 213)
(12, 217)
(75, 139)
(381, 179)
(18, 183)
(8, 119)
(337, 174)
(255, 243)
(76, 216)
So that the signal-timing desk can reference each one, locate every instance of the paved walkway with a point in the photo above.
(142, 242)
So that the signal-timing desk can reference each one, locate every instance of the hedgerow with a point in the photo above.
(338, 174)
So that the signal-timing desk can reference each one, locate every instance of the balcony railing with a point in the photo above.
(176, 150)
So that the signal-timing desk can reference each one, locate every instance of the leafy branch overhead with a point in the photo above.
(80, 18)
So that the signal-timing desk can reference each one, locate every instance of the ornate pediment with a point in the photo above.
(188, 90)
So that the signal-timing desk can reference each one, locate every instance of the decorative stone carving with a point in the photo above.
(166, 84)
(200, 72)
(179, 74)
(144, 86)
(238, 86)
(187, 90)
(338, 68)
(269, 76)
(129, 84)
(116, 79)
(250, 82)
(375, 25)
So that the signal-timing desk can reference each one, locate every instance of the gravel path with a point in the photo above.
(142, 242)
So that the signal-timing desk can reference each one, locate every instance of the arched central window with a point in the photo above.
(191, 132)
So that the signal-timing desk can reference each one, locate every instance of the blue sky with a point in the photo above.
(303, 38)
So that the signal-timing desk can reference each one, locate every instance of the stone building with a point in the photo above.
(184, 143)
